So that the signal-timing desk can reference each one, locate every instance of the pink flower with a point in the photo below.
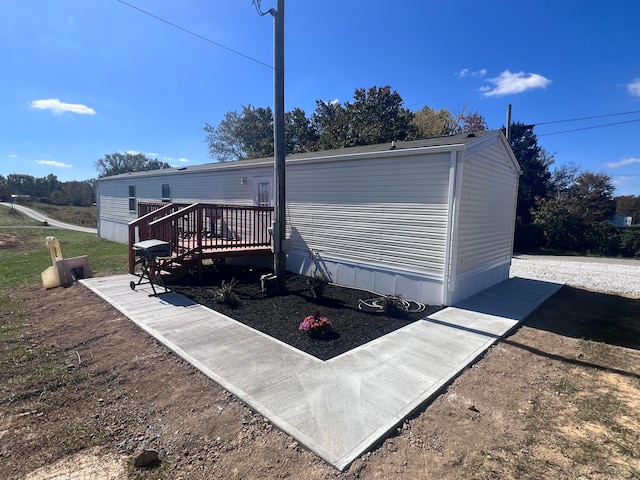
(315, 324)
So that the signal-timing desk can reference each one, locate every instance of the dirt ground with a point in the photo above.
(81, 388)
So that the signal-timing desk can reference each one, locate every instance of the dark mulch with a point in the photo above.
(279, 315)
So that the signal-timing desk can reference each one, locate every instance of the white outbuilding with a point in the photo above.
(431, 220)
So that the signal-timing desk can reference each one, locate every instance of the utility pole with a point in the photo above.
(508, 129)
(279, 226)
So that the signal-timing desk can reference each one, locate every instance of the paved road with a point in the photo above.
(53, 223)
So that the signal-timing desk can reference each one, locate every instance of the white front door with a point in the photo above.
(262, 197)
(263, 191)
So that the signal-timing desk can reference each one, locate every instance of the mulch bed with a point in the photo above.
(279, 314)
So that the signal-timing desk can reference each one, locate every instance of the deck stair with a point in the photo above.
(200, 231)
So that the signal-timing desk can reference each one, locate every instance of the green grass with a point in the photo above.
(10, 217)
(23, 266)
(83, 216)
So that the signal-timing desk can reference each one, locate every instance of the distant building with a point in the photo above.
(621, 221)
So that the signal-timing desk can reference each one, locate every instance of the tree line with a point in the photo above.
(75, 192)
(47, 190)
(376, 115)
(566, 209)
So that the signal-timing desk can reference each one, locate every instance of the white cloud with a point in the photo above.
(183, 160)
(465, 72)
(509, 83)
(12, 155)
(132, 152)
(621, 182)
(334, 101)
(152, 154)
(634, 87)
(53, 163)
(59, 107)
(167, 159)
(623, 162)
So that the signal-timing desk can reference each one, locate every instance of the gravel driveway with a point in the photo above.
(620, 276)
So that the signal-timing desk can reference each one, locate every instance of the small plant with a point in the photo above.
(225, 294)
(316, 326)
(317, 284)
(394, 305)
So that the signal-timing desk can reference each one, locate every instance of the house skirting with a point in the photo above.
(470, 283)
(422, 288)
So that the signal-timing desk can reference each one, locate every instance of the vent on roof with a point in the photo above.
(393, 145)
(471, 135)
(182, 168)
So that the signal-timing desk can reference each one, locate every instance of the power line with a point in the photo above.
(196, 34)
(588, 128)
(587, 118)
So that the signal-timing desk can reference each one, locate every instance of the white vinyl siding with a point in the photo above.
(375, 220)
(487, 210)
(384, 212)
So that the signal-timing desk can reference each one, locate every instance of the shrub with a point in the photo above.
(225, 294)
(317, 284)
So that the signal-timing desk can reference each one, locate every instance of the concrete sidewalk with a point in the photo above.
(337, 408)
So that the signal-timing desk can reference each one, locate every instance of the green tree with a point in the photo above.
(118, 163)
(5, 193)
(377, 116)
(21, 184)
(576, 218)
(561, 229)
(629, 205)
(535, 181)
(562, 178)
(330, 124)
(255, 130)
(299, 134)
(79, 193)
(222, 141)
(249, 134)
(591, 197)
(428, 122)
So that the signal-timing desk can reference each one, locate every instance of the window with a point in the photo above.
(262, 191)
(263, 194)
(166, 192)
(132, 198)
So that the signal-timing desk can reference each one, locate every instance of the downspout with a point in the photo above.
(447, 250)
(453, 223)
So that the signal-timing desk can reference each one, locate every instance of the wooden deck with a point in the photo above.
(202, 231)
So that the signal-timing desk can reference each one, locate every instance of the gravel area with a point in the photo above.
(608, 276)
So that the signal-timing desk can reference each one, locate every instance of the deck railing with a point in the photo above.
(201, 227)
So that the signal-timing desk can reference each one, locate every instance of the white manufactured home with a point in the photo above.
(432, 220)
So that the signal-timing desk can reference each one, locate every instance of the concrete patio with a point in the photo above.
(337, 408)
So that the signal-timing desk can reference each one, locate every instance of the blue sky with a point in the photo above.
(81, 79)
